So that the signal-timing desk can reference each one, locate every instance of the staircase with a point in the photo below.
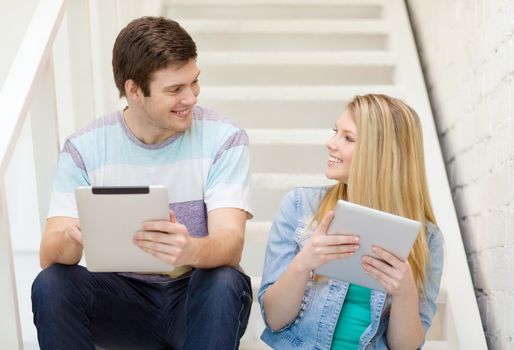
(283, 69)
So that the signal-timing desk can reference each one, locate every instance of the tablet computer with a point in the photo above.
(109, 217)
(393, 233)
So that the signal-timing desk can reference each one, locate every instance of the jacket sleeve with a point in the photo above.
(281, 247)
(428, 306)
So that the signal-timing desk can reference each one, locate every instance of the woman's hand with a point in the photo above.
(393, 274)
(323, 248)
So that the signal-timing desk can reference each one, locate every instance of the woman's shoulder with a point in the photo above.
(433, 231)
(303, 201)
(434, 237)
(308, 196)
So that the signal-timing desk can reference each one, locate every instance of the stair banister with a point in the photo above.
(29, 66)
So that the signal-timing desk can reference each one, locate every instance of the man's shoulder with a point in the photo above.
(202, 115)
(96, 125)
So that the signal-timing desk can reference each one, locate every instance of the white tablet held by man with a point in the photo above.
(393, 233)
(110, 216)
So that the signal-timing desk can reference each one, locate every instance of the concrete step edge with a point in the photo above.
(243, 3)
(290, 26)
(295, 92)
(324, 58)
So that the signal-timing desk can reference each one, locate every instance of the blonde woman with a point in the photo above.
(376, 156)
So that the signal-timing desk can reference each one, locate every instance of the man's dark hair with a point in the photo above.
(146, 45)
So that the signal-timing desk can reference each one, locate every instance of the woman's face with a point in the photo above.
(340, 148)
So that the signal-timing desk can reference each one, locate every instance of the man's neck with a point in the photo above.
(143, 130)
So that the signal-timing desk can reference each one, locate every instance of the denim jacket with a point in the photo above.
(314, 325)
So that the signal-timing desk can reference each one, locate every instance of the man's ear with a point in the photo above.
(133, 91)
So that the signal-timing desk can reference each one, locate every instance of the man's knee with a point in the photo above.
(53, 282)
(223, 278)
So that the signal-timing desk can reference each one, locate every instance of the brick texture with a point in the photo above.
(467, 52)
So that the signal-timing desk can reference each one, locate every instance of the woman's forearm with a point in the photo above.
(405, 330)
(282, 301)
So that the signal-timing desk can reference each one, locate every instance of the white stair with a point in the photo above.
(284, 70)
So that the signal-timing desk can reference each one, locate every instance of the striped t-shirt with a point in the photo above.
(204, 168)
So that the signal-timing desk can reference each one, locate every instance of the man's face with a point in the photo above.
(173, 93)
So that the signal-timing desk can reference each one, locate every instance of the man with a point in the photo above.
(160, 138)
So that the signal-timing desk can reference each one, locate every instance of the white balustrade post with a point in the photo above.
(45, 135)
(74, 76)
(104, 30)
(10, 328)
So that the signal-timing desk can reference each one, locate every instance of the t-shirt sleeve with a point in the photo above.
(70, 174)
(228, 181)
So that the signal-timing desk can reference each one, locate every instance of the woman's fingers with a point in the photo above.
(388, 282)
(337, 249)
(387, 257)
(341, 239)
(323, 225)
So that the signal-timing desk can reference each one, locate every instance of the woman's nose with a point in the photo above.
(331, 144)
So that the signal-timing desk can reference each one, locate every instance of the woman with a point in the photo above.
(376, 156)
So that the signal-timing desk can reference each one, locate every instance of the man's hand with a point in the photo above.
(62, 242)
(74, 234)
(168, 241)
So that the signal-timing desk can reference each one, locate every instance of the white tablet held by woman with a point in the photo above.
(109, 217)
(393, 233)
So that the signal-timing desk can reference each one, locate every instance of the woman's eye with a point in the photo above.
(349, 139)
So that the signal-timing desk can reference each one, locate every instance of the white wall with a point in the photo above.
(467, 50)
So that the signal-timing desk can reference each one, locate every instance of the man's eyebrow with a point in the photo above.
(178, 85)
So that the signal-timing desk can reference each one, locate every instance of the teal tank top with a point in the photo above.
(353, 320)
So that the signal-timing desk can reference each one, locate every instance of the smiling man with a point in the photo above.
(161, 138)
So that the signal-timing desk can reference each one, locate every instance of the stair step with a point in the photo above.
(262, 181)
(305, 114)
(245, 3)
(291, 26)
(257, 232)
(351, 58)
(268, 41)
(192, 10)
(278, 75)
(253, 345)
(294, 93)
(289, 137)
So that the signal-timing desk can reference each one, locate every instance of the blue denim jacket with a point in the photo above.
(314, 325)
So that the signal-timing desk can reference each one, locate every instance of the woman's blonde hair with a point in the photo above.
(388, 170)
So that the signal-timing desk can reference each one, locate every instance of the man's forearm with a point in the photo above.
(214, 251)
(58, 247)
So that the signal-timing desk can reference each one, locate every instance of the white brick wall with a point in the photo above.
(467, 52)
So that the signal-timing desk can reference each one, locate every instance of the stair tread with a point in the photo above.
(283, 181)
(289, 136)
(242, 3)
(292, 93)
(310, 26)
(379, 58)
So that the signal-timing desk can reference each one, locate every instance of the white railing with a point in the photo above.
(53, 103)
(30, 75)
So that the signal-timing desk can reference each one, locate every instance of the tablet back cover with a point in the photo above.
(394, 233)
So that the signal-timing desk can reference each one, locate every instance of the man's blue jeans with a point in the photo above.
(76, 309)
